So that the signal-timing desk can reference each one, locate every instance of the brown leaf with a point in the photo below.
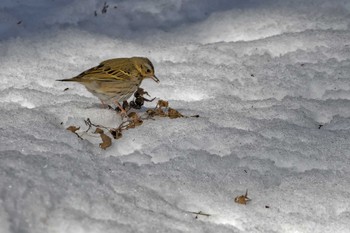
(160, 112)
(98, 130)
(151, 112)
(106, 140)
(172, 113)
(73, 128)
(135, 120)
(162, 103)
(243, 199)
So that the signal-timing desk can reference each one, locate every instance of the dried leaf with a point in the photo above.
(243, 199)
(160, 112)
(162, 103)
(135, 120)
(133, 116)
(151, 112)
(73, 128)
(106, 140)
(98, 130)
(172, 113)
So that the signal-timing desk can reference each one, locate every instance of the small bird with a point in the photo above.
(116, 79)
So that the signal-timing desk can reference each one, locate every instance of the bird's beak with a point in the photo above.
(155, 79)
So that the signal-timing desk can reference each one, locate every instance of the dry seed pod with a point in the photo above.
(116, 133)
(139, 101)
(140, 92)
(134, 105)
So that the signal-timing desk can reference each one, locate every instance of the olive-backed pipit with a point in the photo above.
(116, 79)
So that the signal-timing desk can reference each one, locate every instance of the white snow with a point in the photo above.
(269, 79)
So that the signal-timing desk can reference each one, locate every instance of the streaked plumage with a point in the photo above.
(116, 79)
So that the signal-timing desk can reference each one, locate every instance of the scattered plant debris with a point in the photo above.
(89, 123)
(133, 119)
(116, 133)
(267, 207)
(162, 104)
(172, 113)
(106, 140)
(74, 130)
(243, 199)
(320, 126)
(104, 8)
(66, 89)
(199, 213)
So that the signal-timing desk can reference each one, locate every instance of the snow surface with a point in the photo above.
(269, 79)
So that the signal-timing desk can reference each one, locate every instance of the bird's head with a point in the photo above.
(145, 67)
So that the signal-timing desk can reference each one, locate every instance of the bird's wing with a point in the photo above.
(108, 71)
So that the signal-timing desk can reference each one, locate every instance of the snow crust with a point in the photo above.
(269, 79)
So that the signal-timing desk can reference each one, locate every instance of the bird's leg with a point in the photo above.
(103, 104)
(122, 110)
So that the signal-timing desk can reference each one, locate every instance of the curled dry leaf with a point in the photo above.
(106, 140)
(243, 199)
(135, 120)
(172, 113)
(160, 112)
(98, 130)
(73, 128)
(162, 103)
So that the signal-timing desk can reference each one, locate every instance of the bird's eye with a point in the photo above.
(148, 70)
